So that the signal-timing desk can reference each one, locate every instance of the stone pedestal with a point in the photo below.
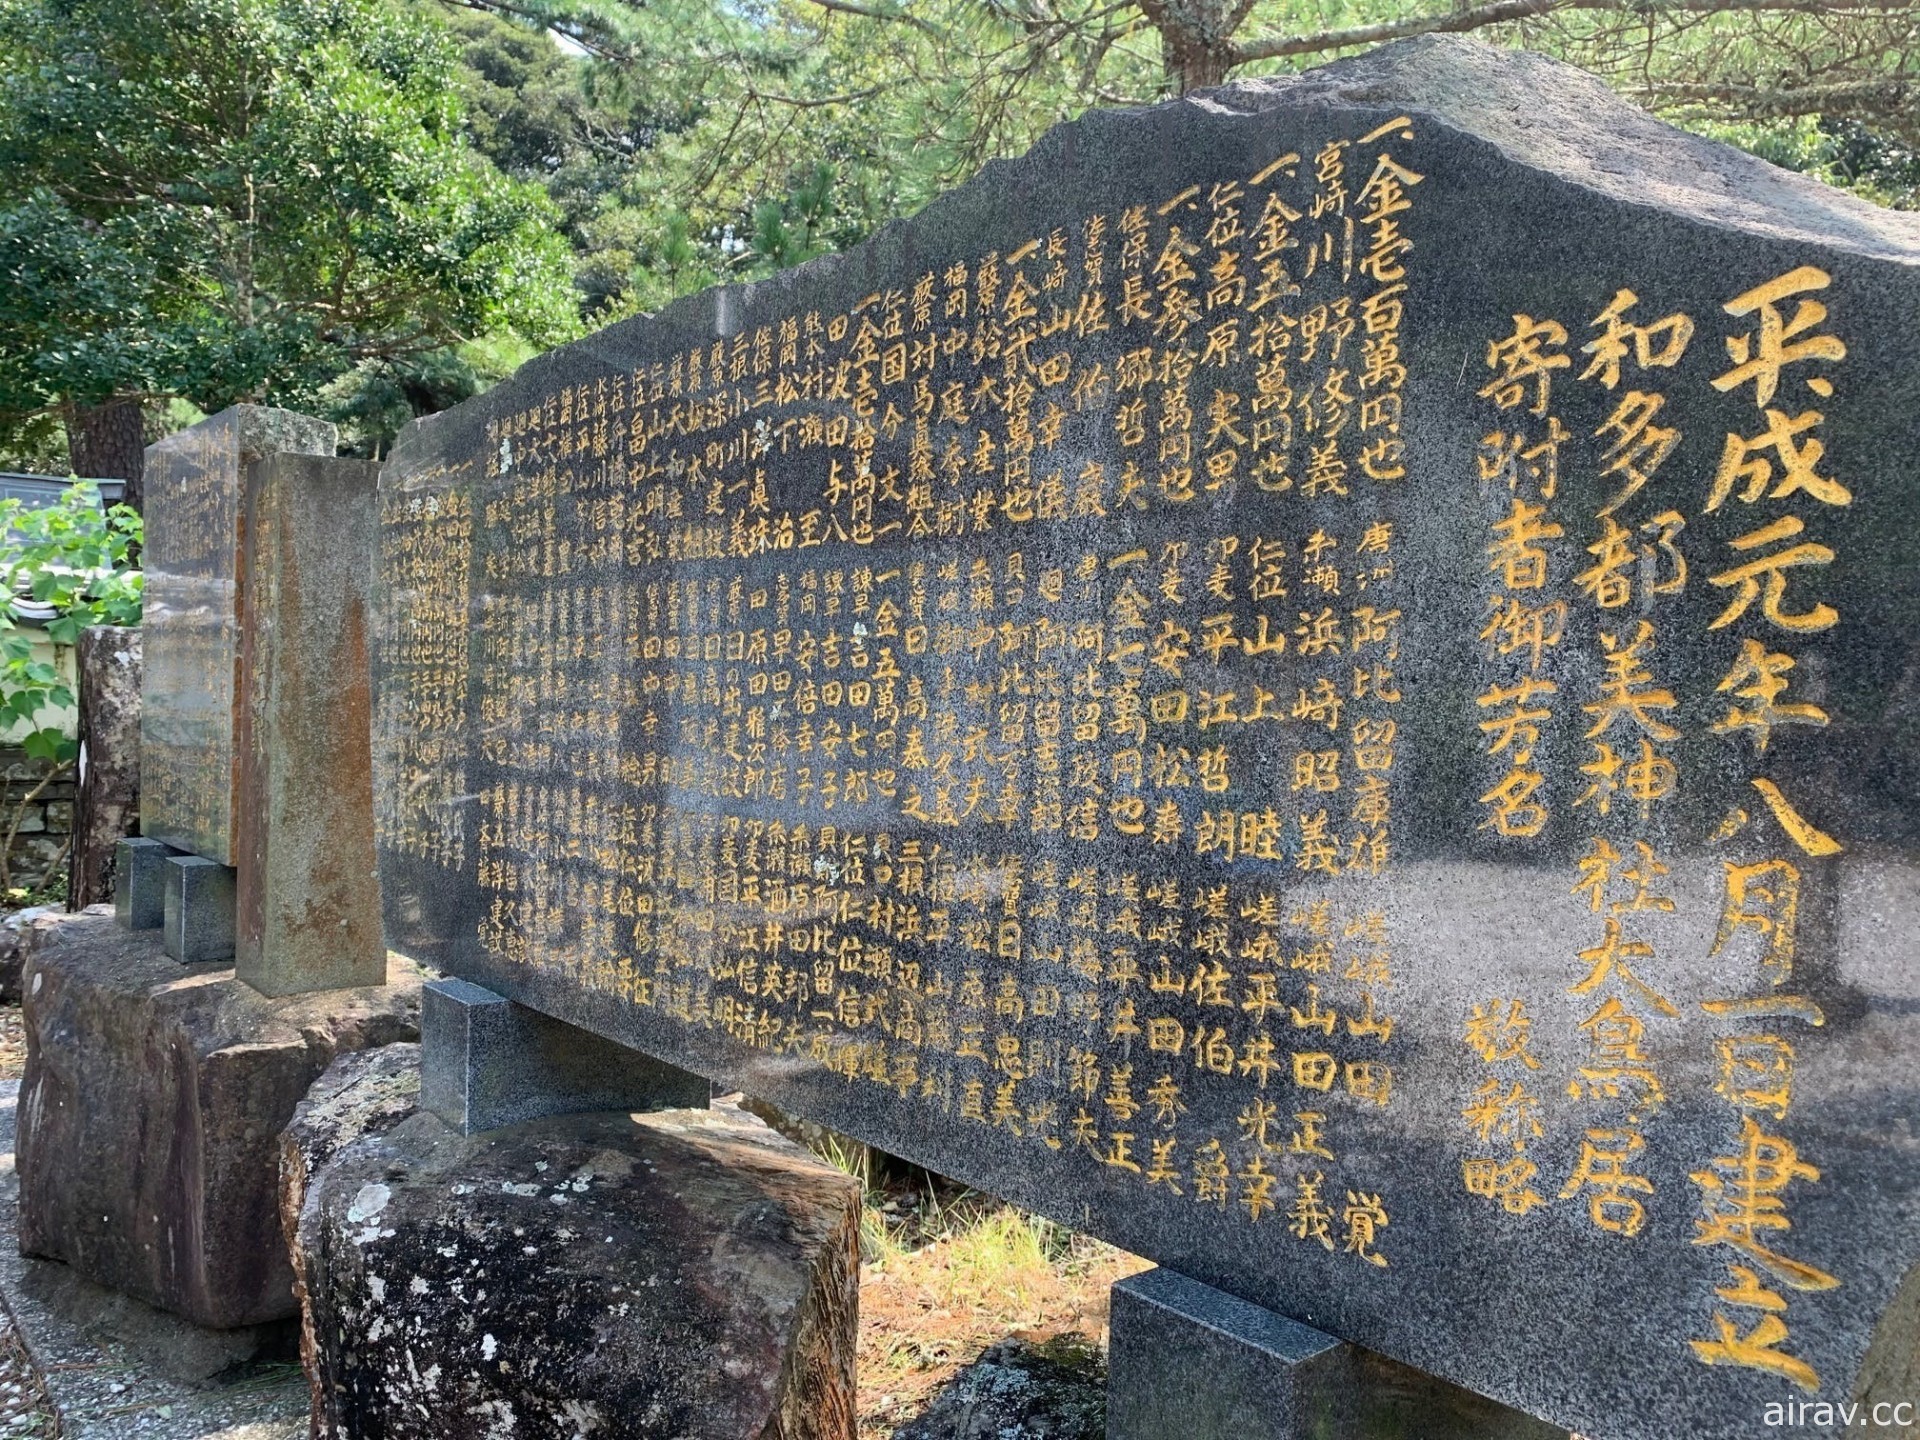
(149, 1115)
(1185, 1360)
(1188, 1360)
(140, 883)
(487, 1062)
(685, 1273)
(197, 910)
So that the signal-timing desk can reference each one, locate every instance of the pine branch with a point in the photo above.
(1502, 12)
(872, 12)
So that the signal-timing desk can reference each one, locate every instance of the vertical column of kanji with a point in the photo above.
(1629, 767)
(1777, 486)
(420, 714)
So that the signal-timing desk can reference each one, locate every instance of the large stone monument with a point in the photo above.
(166, 1052)
(1313, 680)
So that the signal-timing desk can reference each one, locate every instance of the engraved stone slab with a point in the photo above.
(194, 562)
(1314, 680)
(307, 894)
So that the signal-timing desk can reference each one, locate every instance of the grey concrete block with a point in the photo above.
(1188, 1360)
(140, 883)
(487, 1062)
(198, 918)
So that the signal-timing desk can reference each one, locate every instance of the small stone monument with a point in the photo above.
(307, 892)
(165, 1052)
(192, 692)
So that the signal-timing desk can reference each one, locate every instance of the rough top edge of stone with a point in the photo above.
(1538, 112)
(257, 431)
(1557, 118)
(236, 1017)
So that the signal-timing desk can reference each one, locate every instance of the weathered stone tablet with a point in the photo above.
(306, 893)
(1317, 680)
(193, 558)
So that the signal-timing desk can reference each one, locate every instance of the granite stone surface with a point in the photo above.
(117, 1369)
(362, 1096)
(140, 882)
(197, 909)
(151, 1109)
(486, 1063)
(1315, 680)
(683, 1273)
(195, 567)
(307, 895)
(1186, 1359)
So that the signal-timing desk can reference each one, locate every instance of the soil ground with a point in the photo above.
(950, 1276)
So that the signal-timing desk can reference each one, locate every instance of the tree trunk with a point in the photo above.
(1197, 46)
(107, 796)
(1202, 67)
(109, 442)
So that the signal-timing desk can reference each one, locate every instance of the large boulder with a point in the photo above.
(361, 1097)
(151, 1110)
(683, 1273)
(1021, 1390)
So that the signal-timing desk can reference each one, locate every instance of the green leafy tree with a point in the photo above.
(897, 100)
(241, 200)
(72, 559)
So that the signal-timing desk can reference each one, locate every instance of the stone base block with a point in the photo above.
(684, 1273)
(151, 1108)
(486, 1062)
(197, 910)
(1186, 1359)
(1190, 1361)
(140, 882)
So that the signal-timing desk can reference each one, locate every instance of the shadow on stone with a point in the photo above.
(154, 1341)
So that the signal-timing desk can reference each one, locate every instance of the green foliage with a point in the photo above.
(234, 200)
(375, 208)
(371, 402)
(74, 558)
(1871, 163)
(700, 142)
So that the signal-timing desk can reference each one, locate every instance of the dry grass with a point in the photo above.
(942, 1282)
